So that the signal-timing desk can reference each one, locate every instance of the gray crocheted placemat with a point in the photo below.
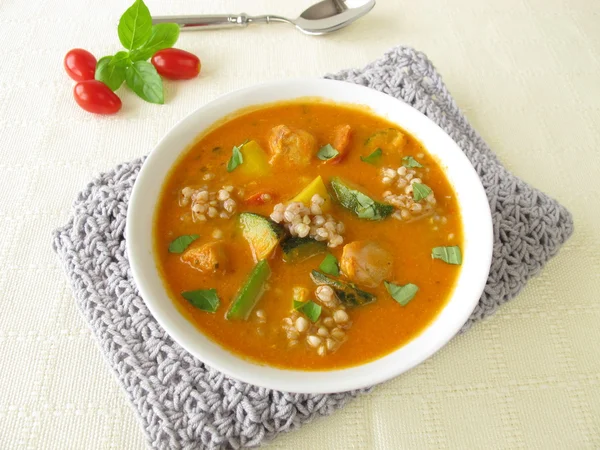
(182, 403)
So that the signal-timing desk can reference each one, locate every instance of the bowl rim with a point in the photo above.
(477, 247)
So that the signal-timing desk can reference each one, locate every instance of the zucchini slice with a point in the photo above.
(262, 234)
(297, 249)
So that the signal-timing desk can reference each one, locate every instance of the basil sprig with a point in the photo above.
(142, 40)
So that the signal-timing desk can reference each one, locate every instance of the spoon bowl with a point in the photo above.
(321, 18)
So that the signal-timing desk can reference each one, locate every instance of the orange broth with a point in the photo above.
(377, 328)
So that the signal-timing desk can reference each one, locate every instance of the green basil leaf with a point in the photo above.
(450, 255)
(360, 204)
(365, 208)
(164, 35)
(182, 242)
(297, 305)
(409, 161)
(120, 59)
(312, 310)
(373, 158)
(143, 79)
(236, 158)
(327, 152)
(203, 299)
(330, 265)
(135, 26)
(420, 191)
(111, 75)
(402, 294)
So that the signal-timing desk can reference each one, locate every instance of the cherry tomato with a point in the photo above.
(176, 64)
(96, 97)
(80, 64)
(260, 198)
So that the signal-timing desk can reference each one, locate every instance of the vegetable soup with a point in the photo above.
(308, 235)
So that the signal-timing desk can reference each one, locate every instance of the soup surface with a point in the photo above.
(308, 235)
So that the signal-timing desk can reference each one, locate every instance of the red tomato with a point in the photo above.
(260, 198)
(176, 64)
(80, 64)
(96, 97)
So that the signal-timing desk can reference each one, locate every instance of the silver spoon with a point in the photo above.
(321, 18)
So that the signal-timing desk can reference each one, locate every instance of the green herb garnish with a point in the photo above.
(420, 191)
(402, 294)
(311, 309)
(141, 40)
(111, 75)
(373, 158)
(360, 204)
(164, 35)
(143, 79)
(203, 299)
(330, 265)
(450, 255)
(327, 152)
(409, 161)
(297, 305)
(236, 158)
(182, 242)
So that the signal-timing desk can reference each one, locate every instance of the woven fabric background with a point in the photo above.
(527, 378)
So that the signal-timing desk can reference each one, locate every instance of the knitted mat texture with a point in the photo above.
(184, 404)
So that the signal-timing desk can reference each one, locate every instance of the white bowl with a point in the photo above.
(476, 249)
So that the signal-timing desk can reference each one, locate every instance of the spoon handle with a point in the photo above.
(213, 22)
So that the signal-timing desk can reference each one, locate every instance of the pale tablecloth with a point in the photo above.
(526, 72)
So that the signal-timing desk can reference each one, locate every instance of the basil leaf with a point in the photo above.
(420, 191)
(360, 204)
(450, 255)
(203, 299)
(111, 75)
(135, 26)
(312, 310)
(164, 35)
(327, 152)
(409, 161)
(182, 242)
(402, 294)
(330, 265)
(143, 79)
(236, 158)
(365, 208)
(120, 59)
(373, 158)
(297, 305)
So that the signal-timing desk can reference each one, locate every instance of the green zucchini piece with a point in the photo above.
(297, 249)
(262, 234)
(360, 204)
(388, 139)
(249, 294)
(348, 294)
